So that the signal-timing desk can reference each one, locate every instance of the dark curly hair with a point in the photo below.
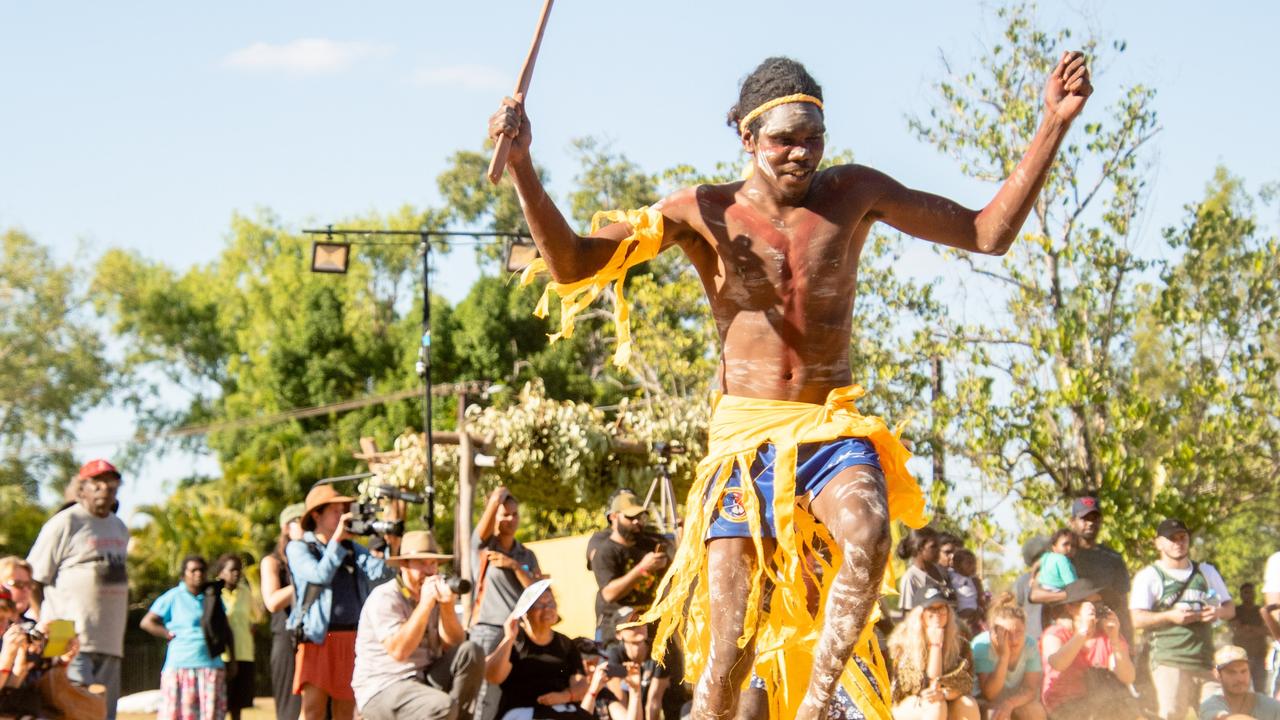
(774, 78)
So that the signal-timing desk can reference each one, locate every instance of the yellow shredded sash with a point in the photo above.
(787, 635)
(641, 246)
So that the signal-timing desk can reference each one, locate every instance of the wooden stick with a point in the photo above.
(499, 161)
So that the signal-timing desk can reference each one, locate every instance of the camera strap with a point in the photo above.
(313, 590)
(480, 586)
(1195, 569)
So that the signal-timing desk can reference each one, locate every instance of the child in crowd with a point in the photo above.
(969, 600)
(1056, 571)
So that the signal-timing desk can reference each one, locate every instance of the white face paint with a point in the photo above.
(789, 144)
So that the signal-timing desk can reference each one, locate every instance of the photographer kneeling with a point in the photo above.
(412, 656)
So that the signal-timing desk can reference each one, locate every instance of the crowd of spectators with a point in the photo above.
(1061, 644)
(380, 633)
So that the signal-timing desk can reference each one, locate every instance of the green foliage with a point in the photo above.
(563, 459)
(1087, 378)
(200, 519)
(53, 364)
(22, 520)
(1217, 365)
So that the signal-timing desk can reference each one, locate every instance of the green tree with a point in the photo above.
(53, 361)
(254, 333)
(1217, 362)
(55, 368)
(1087, 376)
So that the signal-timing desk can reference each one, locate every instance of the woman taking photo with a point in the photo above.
(332, 576)
(1007, 664)
(931, 665)
(1087, 667)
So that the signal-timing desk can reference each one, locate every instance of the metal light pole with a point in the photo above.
(334, 257)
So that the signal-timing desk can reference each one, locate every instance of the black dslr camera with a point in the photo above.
(366, 515)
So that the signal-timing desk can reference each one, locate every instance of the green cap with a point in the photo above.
(291, 513)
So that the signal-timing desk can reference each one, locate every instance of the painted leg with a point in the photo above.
(854, 510)
(730, 563)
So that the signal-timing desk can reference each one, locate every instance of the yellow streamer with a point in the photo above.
(786, 635)
(642, 245)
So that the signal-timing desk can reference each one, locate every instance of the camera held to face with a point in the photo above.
(366, 515)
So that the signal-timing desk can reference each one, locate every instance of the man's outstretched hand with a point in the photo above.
(511, 120)
(1068, 87)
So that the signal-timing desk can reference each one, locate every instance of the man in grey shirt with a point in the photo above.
(412, 656)
(504, 568)
(78, 566)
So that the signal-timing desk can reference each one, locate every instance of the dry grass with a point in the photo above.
(263, 709)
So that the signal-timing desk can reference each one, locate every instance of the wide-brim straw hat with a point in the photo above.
(418, 545)
(318, 496)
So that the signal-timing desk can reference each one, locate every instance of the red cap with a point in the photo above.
(94, 468)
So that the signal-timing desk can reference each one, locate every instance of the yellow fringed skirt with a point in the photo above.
(786, 634)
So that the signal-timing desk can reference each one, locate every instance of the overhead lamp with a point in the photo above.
(520, 252)
(330, 257)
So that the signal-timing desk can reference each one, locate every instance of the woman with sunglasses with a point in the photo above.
(539, 670)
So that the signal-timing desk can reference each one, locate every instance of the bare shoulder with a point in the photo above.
(686, 211)
(686, 204)
(860, 180)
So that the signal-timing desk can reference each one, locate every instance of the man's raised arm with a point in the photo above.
(569, 256)
(994, 228)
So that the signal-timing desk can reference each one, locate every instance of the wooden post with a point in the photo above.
(466, 497)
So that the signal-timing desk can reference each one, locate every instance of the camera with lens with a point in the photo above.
(34, 636)
(653, 540)
(457, 585)
(366, 515)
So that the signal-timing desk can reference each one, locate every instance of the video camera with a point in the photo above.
(651, 539)
(366, 514)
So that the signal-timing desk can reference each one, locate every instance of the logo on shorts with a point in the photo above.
(732, 508)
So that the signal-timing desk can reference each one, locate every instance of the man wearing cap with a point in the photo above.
(412, 656)
(78, 566)
(1176, 601)
(1237, 700)
(633, 646)
(332, 577)
(1099, 562)
(626, 569)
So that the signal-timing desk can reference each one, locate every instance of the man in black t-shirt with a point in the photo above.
(627, 564)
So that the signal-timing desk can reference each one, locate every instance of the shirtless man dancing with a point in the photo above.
(777, 254)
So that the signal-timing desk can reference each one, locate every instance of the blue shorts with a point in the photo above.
(816, 465)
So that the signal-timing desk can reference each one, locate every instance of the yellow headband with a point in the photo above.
(799, 97)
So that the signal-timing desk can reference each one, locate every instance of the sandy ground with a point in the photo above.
(263, 709)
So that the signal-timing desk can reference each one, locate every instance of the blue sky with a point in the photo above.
(146, 125)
